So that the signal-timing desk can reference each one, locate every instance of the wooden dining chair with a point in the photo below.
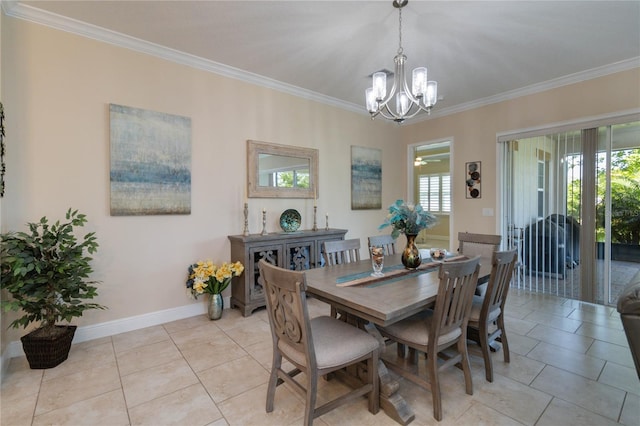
(483, 245)
(341, 251)
(315, 346)
(486, 320)
(387, 242)
(445, 326)
(338, 252)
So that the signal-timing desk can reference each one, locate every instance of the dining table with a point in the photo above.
(381, 301)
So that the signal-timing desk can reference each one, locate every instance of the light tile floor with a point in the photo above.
(570, 365)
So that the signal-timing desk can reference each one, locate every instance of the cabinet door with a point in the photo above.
(272, 254)
(301, 255)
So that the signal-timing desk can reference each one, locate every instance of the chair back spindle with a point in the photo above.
(482, 245)
(444, 327)
(455, 293)
(501, 274)
(341, 251)
(387, 242)
(486, 321)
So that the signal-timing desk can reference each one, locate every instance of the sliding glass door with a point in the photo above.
(617, 209)
(572, 208)
(543, 220)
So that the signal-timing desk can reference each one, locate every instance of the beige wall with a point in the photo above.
(474, 135)
(57, 87)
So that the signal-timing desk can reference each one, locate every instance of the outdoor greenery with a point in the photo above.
(625, 197)
(286, 179)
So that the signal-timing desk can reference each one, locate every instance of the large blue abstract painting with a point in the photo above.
(150, 162)
(366, 178)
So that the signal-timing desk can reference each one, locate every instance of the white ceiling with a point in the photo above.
(478, 51)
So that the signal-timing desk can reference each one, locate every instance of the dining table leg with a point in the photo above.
(393, 404)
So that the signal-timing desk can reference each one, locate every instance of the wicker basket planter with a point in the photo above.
(46, 351)
(46, 273)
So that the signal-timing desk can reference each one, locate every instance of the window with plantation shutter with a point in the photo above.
(435, 192)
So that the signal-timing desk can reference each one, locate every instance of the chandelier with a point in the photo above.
(422, 96)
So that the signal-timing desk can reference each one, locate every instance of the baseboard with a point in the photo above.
(111, 328)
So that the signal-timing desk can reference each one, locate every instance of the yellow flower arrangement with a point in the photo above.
(205, 277)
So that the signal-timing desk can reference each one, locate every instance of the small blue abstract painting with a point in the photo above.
(366, 178)
(150, 162)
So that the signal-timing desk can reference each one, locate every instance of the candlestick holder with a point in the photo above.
(326, 222)
(245, 232)
(264, 223)
(315, 223)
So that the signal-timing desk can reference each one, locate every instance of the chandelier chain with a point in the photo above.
(400, 31)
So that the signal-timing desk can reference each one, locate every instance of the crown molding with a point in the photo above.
(63, 23)
(18, 10)
(537, 88)
(616, 117)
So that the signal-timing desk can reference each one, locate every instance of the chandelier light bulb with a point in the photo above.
(419, 79)
(372, 104)
(402, 103)
(380, 85)
(431, 96)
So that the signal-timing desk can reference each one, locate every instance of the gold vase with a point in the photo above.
(411, 255)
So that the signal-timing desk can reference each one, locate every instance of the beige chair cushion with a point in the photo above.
(416, 329)
(476, 307)
(335, 342)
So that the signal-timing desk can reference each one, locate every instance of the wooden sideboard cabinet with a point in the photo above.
(298, 251)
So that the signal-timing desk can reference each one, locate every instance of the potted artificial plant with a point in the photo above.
(46, 272)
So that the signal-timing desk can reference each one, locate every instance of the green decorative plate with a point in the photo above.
(290, 220)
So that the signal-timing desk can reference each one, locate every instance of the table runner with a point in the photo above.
(391, 273)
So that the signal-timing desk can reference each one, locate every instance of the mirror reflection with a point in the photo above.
(281, 171)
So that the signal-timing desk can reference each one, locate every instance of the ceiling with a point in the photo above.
(478, 51)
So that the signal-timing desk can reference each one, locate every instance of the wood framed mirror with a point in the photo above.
(281, 171)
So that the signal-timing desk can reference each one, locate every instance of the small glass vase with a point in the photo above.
(216, 306)
(411, 255)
